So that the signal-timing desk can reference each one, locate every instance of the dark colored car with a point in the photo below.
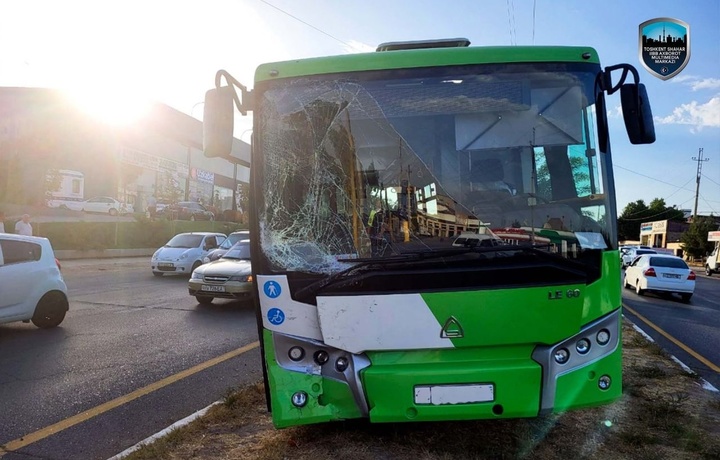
(232, 238)
(187, 210)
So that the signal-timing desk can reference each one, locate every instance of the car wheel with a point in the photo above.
(203, 300)
(638, 290)
(685, 297)
(192, 217)
(113, 212)
(158, 273)
(195, 265)
(50, 311)
(708, 272)
(626, 285)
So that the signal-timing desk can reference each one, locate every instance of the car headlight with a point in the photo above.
(241, 278)
(184, 256)
(196, 275)
(155, 256)
(206, 259)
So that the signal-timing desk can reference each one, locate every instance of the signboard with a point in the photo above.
(202, 176)
(664, 46)
(653, 227)
(152, 162)
(714, 236)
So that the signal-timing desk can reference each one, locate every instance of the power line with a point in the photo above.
(310, 25)
(706, 177)
(643, 175)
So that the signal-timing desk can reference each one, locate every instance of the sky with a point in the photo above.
(115, 55)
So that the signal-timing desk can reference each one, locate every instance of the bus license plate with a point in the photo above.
(454, 394)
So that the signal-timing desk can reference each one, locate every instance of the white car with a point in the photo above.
(102, 204)
(31, 285)
(184, 252)
(628, 254)
(660, 273)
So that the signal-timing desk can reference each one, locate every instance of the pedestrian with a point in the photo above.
(23, 227)
(152, 206)
(2, 221)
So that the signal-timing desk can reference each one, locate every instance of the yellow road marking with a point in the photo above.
(689, 350)
(117, 402)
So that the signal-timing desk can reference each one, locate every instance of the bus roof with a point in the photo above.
(432, 57)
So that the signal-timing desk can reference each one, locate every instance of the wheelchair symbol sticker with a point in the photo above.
(276, 316)
(272, 289)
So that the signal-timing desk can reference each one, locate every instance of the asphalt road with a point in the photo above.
(126, 330)
(693, 328)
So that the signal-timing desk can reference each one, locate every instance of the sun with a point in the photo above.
(111, 105)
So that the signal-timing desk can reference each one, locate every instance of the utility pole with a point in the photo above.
(700, 161)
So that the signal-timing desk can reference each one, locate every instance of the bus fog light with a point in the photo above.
(582, 346)
(341, 364)
(321, 357)
(561, 355)
(299, 399)
(603, 337)
(604, 382)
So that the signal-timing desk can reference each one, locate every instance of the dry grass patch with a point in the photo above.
(664, 413)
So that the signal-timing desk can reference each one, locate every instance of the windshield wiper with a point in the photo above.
(365, 264)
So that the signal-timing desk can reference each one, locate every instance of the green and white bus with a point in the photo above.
(366, 167)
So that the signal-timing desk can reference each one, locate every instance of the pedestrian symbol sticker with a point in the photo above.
(276, 316)
(272, 289)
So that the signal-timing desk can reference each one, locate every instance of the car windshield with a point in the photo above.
(668, 262)
(405, 162)
(240, 250)
(185, 241)
(232, 239)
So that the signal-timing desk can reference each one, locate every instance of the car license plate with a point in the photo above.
(165, 265)
(207, 288)
(670, 275)
(454, 394)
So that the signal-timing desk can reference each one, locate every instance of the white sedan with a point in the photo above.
(102, 204)
(661, 273)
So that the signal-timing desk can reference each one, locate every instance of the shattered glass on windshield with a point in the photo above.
(379, 167)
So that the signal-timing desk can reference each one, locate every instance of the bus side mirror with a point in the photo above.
(218, 122)
(637, 113)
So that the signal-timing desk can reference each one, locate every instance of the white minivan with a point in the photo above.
(31, 285)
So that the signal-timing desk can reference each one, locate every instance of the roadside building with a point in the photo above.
(43, 132)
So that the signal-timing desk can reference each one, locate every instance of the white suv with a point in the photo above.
(31, 286)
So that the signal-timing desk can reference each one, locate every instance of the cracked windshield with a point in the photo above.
(493, 156)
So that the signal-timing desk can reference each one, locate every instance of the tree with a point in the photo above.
(638, 212)
(695, 243)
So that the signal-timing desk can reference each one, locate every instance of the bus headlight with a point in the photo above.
(603, 337)
(582, 346)
(561, 355)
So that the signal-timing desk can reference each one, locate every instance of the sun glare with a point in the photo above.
(110, 106)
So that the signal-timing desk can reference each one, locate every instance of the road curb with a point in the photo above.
(150, 439)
